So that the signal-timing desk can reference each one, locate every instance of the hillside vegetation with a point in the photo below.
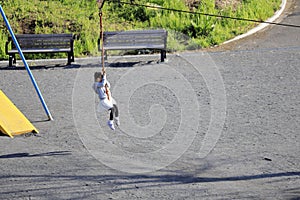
(186, 31)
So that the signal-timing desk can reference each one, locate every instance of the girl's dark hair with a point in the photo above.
(97, 75)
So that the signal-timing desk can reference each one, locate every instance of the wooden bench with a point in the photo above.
(137, 39)
(41, 43)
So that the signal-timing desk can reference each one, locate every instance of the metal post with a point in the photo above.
(25, 63)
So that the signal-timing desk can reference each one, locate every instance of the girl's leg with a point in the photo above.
(117, 119)
(116, 110)
(110, 122)
(112, 111)
(107, 105)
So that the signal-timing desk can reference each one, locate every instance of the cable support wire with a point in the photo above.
(201, 13)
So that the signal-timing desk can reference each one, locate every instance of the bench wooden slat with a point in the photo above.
(132, 47)
(130, 41)
(40, 50)
(137, 39)
(41, 43)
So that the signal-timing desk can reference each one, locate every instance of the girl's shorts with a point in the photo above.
(105, 105)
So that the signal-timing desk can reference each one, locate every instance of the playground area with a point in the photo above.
(255, 156)
(218, 124)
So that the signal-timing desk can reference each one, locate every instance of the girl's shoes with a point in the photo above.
(110, 123)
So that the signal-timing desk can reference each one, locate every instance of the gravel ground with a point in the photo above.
(216, 124)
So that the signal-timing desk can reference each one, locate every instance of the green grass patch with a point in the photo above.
(186, 31)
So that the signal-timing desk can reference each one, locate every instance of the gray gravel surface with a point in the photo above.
(221, 124)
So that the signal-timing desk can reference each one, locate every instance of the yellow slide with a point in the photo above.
(12, 121)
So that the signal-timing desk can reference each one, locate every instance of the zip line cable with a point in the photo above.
(201, 13)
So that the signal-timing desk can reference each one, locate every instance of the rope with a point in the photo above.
(102, 41)
(100, 6)
(103, 51)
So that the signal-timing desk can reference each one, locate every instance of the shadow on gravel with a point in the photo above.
(22, 155)
(76, 66)
(39, 67)
(187, 179)
(133, 181)
(292, 193)
(118, 63)
(132, 64)
(40, 121)
(74, 185)
(3, 135)
(123, 64)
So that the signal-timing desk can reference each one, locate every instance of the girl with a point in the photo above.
(101, 87)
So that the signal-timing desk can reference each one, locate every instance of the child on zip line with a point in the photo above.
(101, 87)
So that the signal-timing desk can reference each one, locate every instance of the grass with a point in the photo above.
(186, 31)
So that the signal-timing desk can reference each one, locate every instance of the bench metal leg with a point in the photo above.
(70, 58)
(11, 60)
(163, 55)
